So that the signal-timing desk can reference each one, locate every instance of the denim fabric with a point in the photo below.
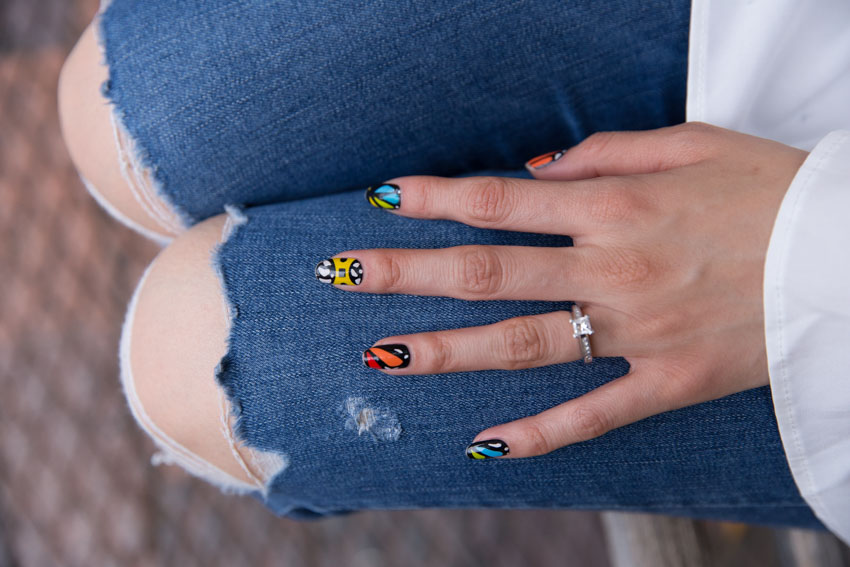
(266, 101)
(263, 101)
(294, 360)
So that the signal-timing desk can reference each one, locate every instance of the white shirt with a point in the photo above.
(780, 69)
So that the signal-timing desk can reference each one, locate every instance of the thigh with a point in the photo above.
(264, 101)
(356, 438)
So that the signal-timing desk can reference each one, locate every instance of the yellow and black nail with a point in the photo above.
(340, 271)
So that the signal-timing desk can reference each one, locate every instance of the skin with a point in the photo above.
(87, 128)
(179, 332)
(670, 230)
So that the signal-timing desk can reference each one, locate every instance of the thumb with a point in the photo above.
(623, 153)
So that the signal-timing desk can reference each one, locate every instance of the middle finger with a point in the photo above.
(470, 272)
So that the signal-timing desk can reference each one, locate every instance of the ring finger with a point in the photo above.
(521, 342)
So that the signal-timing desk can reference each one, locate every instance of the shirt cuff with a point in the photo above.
(807, 329)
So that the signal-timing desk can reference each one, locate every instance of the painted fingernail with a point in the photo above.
(340, 271)
(387, 356)
(489, 449)
(546, 159)
(386, 196)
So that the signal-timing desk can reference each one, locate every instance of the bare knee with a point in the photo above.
(174, 337)
(98, 154)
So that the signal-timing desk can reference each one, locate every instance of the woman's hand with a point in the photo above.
(670, 230)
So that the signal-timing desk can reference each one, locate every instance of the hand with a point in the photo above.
(670, 230)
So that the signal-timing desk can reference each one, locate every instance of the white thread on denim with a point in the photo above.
(140, 180)
(121, 217)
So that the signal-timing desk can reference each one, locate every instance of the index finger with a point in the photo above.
(504, 203)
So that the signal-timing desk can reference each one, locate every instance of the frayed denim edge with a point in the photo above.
(169, 451)
(136, 165)
(270, 463)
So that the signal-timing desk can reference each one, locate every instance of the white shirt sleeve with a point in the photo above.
(780, 69)
(807, 329)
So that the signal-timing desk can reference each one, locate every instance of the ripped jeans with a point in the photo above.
(281, 109)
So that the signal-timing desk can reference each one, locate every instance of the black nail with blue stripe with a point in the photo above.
(489, 449)
(386, 196)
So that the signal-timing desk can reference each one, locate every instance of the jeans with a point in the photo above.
(266, 101)
(282, 107)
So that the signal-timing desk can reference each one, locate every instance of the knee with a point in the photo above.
(98, 150)
(174, 336)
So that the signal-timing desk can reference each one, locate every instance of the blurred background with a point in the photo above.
(76, 485)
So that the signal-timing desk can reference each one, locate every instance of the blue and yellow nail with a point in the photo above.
(386, 196)
(489, 449)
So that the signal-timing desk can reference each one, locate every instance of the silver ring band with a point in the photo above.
(582, 331)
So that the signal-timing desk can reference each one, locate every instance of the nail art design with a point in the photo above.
(387, 356)
(546, 159)
(386, 196)
(340, 271)
(489, 449)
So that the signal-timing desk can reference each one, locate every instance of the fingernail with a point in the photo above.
(386, 196)
(489, 449)
(340, 271)
(387, 356)
(546, 159)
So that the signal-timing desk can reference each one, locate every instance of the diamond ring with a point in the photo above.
(582, 331)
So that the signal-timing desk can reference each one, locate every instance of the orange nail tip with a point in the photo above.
(546, 159)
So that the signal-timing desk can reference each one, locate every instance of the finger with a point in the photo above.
(635, 396)
(521, 342)
(477, 272)
(505, 203)
(622, 153)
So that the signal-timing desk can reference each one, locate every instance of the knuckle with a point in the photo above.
(487, 200)
(693, 140)
(424, 199)
(626, 269)
(589, 422)
(479, 271)
(595, 145)
(390, 268)
(439, 351)
(615, 201)
(522, 343)
(535, 437)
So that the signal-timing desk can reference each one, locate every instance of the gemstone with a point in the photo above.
(581, 326)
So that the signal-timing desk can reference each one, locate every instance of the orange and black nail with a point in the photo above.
(546, 159)
(488, 449)
(386, 356)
